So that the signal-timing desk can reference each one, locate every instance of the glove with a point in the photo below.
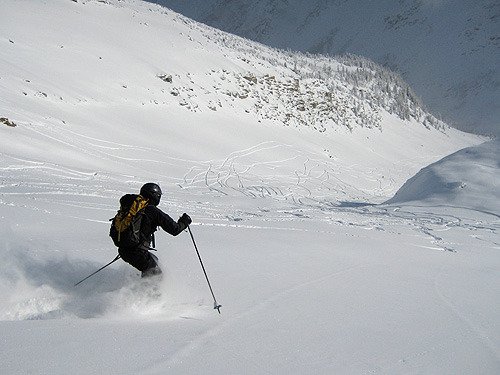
(185, 219)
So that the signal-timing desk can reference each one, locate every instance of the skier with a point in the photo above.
(139, 256)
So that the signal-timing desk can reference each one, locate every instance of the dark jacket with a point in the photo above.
(153, 218)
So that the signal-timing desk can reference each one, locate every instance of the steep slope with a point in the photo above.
(448, 52)
(143, 83)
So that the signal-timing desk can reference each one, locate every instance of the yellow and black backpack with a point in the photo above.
(126, 225)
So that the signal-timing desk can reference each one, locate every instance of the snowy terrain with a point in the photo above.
(448, 51)
(285, 171)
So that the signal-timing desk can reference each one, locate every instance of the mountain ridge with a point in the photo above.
(447, 52)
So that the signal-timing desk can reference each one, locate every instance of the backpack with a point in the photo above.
(126, 225)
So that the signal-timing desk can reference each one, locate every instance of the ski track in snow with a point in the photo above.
(424, 222)
(211, 333)
(473, 325)
(427, 223)
(299, 198)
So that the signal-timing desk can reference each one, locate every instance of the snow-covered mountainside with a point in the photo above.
(139, 66)
(281, 159)
(447, 51)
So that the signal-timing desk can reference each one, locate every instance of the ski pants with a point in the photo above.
(139, 258)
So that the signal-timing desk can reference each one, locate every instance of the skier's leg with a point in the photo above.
(153, 268)
(141, 259)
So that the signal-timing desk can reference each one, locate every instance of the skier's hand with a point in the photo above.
(185, 219)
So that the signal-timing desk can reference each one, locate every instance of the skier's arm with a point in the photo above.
(173, 227)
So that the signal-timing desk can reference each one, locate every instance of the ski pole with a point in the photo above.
(100, 269)
(216, 305)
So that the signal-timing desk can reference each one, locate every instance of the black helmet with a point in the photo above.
(152, 192)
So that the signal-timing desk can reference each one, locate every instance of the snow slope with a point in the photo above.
(447, 51)
(464, 179)
(313, 274)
